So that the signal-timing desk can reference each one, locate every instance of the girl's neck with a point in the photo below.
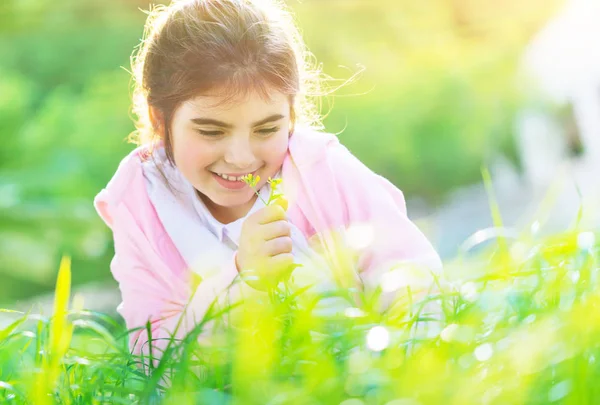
(227, 215)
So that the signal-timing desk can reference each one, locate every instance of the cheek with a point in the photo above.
(274, 151)
(191, 155)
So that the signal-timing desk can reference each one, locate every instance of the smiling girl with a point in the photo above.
(223, 90)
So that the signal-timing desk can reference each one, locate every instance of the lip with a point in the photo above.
(237, 174)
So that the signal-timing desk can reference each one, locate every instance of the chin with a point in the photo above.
(231, 201)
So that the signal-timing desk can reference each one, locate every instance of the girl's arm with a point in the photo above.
(378, 207)
(151, 291)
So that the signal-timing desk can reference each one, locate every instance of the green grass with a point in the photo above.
(525, 331)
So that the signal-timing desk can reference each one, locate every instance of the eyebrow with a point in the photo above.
(210, 121)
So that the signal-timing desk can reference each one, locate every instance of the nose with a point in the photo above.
(239, 153)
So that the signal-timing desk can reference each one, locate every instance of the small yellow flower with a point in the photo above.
(274, 182)
(276, 196)
(251, 180)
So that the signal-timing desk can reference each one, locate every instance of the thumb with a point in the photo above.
(282, 202)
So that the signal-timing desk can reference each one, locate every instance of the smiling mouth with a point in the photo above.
(231, 178)
(236, 177)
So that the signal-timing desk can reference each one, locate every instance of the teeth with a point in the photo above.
(230, 178)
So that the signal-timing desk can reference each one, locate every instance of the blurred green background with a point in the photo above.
(437, 100)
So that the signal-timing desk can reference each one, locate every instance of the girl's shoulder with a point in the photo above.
(128, 170)
(308, 146)
(126, 184)
(311, 148)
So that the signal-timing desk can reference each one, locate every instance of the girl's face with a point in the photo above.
(215, 144)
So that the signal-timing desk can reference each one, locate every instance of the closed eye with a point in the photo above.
(266, 131)
(210, 133)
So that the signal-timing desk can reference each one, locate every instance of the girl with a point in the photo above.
(222, 91)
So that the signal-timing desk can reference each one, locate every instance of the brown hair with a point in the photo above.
(232, 46)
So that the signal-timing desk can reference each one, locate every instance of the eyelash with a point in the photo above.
(209, 133)
(265, 131)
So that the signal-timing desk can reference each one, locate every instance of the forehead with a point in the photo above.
(248, 104)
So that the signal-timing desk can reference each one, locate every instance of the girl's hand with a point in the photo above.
(265, 248)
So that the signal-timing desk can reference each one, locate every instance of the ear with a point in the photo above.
(157, 120)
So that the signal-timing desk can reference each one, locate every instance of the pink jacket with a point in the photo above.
(328, 189)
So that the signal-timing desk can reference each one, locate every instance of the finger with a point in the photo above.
(270, 213)
(278, 246)
(282, 261)
(276, 229)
